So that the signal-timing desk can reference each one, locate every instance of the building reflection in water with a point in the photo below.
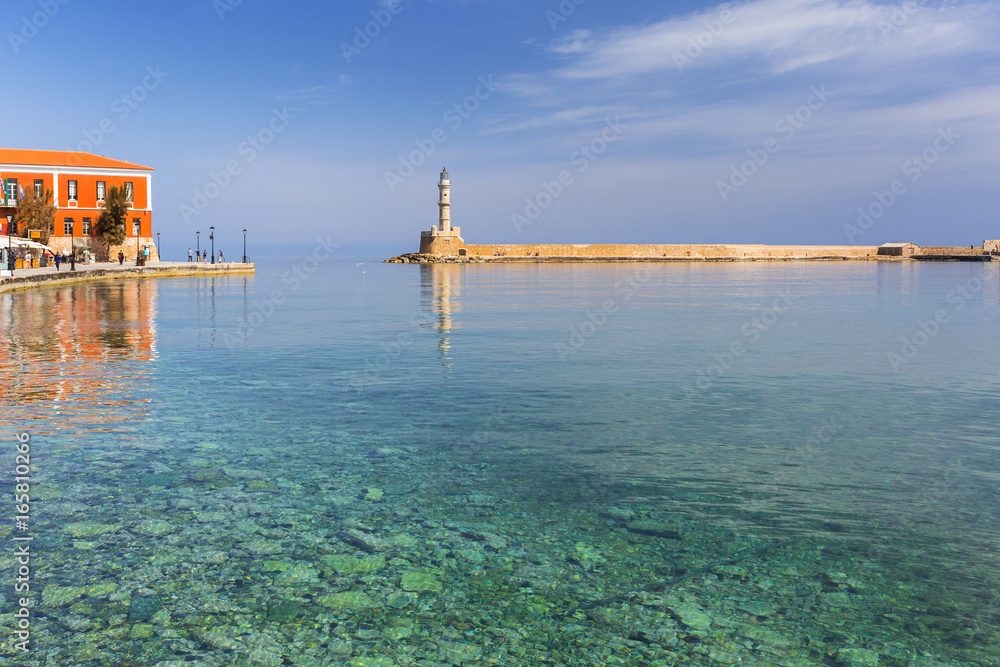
(77, 357)
(440, 289)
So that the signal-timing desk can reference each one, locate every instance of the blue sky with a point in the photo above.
(771, 121)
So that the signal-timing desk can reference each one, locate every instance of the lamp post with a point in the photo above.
(211, 235)
(136, 244)
(72, 245)
(244, 246)
(197, 238)
(158, 245)
(10, 258)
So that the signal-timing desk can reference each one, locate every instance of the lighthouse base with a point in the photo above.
(442, 243)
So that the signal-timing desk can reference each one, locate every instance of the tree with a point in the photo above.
(110, 227)
(37, 213)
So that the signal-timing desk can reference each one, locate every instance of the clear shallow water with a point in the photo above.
(511, 465)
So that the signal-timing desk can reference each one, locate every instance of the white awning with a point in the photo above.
(20, 242)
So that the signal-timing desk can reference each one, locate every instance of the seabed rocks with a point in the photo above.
(386, 560)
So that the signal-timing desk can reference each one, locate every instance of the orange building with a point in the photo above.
(79, 183)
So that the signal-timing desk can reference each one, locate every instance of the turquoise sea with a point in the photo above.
(342, 462)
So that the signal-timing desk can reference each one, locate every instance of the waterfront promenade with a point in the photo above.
(26, 278)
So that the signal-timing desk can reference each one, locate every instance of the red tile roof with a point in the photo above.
(62, 159)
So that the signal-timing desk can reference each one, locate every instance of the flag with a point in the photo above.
(21, 188)
(3, 187)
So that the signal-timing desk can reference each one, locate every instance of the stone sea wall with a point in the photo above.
(24, 279)
(674, 251)
(616, 251)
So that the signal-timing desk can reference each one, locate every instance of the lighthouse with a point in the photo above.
(444, 202)
(443, 239)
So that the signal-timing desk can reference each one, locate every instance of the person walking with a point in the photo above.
(27, 259)
(204, 255)
(58, 260)
(221, 258)
(190, 255)
(121, 258)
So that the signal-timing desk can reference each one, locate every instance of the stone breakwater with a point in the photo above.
(614, 253)
(462, 253)
(28, 278)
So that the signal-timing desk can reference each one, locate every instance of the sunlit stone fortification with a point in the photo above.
(445, 243)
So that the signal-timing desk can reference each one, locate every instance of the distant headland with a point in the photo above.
(444, 244)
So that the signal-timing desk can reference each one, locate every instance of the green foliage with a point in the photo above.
(37, 213)
(110, 227)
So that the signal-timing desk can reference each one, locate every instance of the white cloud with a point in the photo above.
(315, 95)
(564, 118)
(777, 36)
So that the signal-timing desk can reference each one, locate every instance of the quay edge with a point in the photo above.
(28, 278)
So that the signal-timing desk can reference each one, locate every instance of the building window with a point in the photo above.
(136, 225)
(101, 190)
(68, 226)
(72, 190)
(128, 191)
(11, 184)
(86, 227)
(39, 187)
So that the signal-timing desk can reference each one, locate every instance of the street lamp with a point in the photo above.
(197, 238)
(158, 245)
(10, 258)
(211, 235)
(72, 245)
(244, 246)
(136, 243)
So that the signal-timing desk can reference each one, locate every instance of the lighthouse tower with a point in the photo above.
(443, 239)
(444, 202)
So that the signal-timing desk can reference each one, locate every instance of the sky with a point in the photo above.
(842, 122)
